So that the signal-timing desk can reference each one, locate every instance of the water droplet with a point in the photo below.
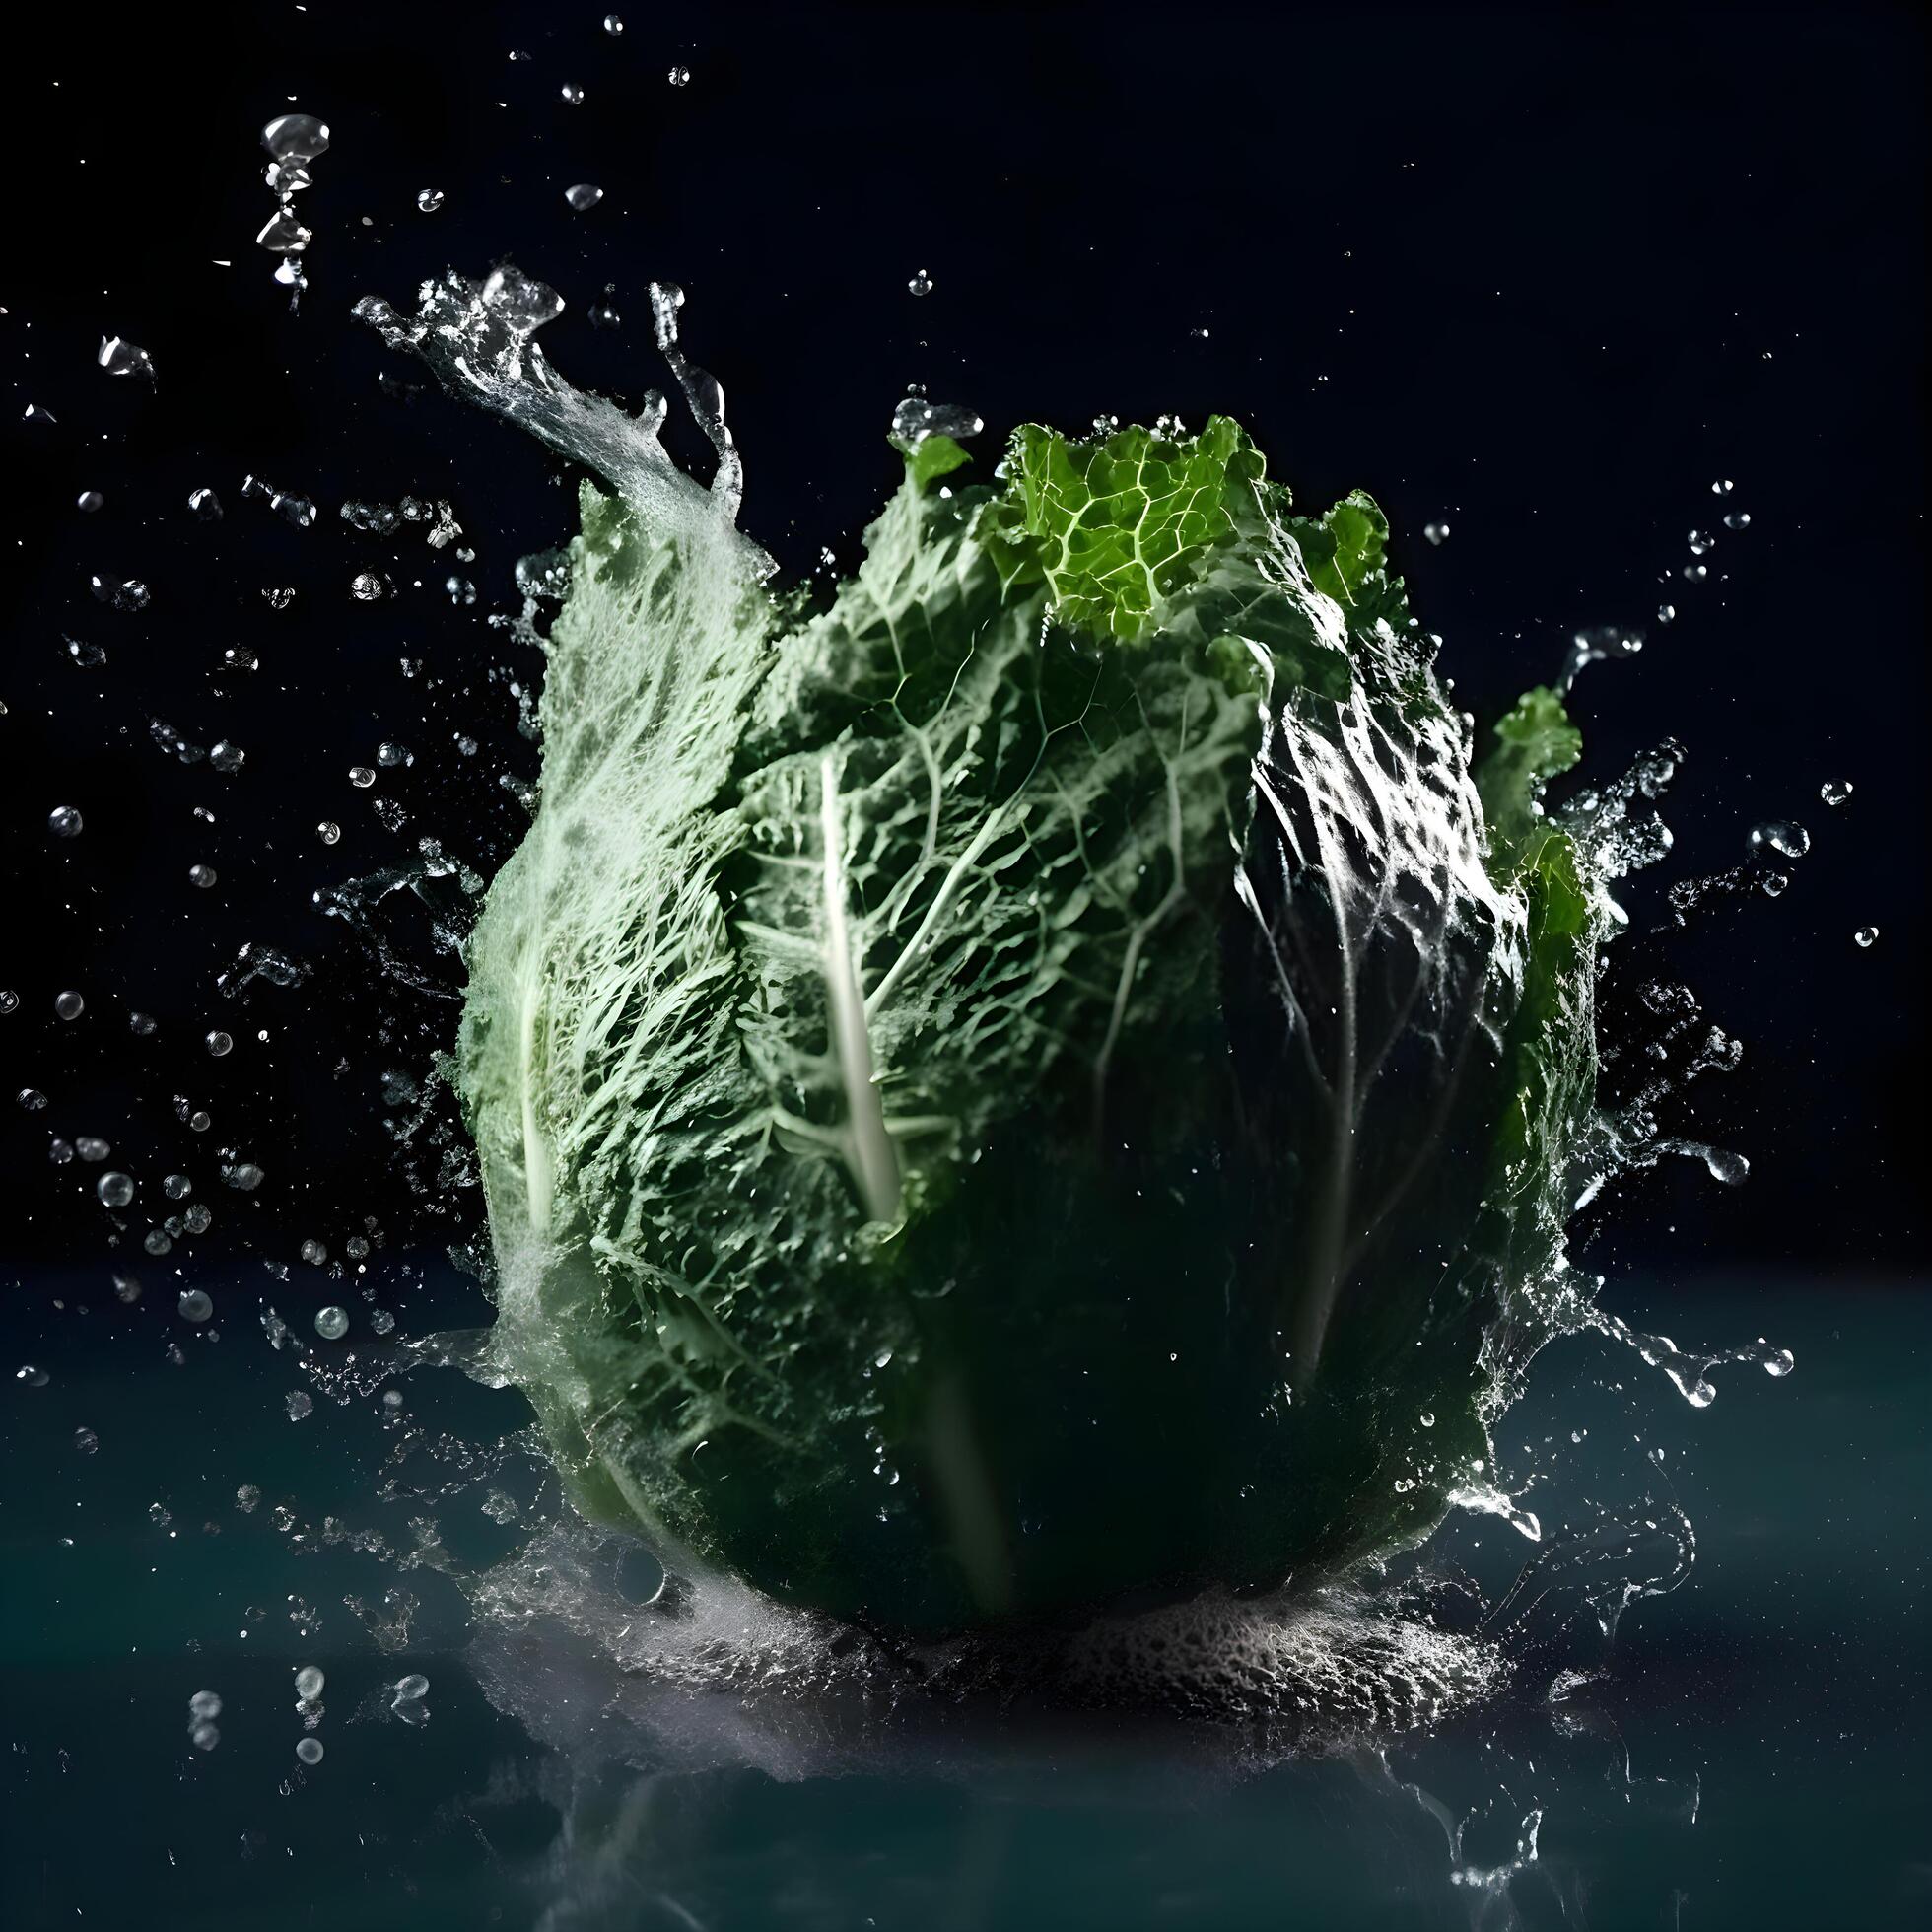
(220, 1043)
(1666, 612)
(64, 822)
(127, 1289)
(613, 26)
(226, 757)
(1836, 791)
(411, 1688)
(1722, 487)
(92, 1148)
(329, 831)
(679, 76)
(292, 508)
(115, 1190)
(310, 1751)
(1437, 533)
(1781, 836)
(128, 594)
(314, 1253)
(283, 234)
(309, 1683)
(9, 999)
(296, 137)
(88, 501)
(1774, 885)
(31, 1374)
(603, 311)
(194, 1305)
(297, 1404)
(572, 94)
(245, 1175)
(176, 1186)
(205, 1703)
(1866, 936)
(32, 1099)
(86, 1441)
(1738, 519)
(521, 302)
(1729, 1168)
(69, 1005)
(142, 1024)
(332, 1324)
(585, 195)
(366, 587)
(429, 200)
(1696, 573)
(120, 357)
(1700, 543)
(202, 875)
(921, 283)
(916, 419)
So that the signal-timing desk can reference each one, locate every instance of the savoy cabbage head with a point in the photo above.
(1045, 1082)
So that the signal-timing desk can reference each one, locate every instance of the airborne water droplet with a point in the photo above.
(283, 234)
(585, 195)
(921, 283)
(296, 137)
(120, 357)
(429, 200)
(1437, 533)
(1730, 1168)
(1836, 791)
(1866, 937)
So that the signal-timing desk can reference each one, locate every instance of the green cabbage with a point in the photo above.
(1042, 1083)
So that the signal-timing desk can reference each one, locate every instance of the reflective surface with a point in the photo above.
(1751, 1750)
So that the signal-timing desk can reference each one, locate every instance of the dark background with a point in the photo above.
(1542, 275)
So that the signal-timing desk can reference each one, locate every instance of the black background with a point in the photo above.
(1541, 275)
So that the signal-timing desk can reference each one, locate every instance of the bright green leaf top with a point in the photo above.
(1120, 523)
(1533, 741)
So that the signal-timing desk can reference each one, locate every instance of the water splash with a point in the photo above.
(292, 142)
(478, 339)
